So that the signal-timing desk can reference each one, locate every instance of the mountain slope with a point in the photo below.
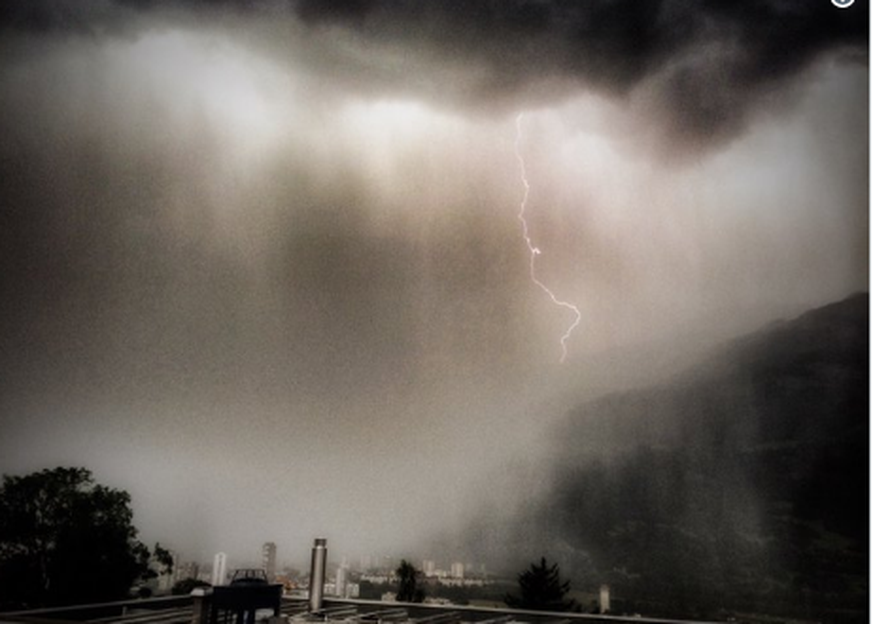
(740, 486)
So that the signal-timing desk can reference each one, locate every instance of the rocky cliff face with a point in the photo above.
(740, 486)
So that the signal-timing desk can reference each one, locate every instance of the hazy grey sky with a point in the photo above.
(262, 264)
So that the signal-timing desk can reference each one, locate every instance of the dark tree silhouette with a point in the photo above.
(66, 540)
(408, 589)
(186, 586)
(164, 558)
(542, 590)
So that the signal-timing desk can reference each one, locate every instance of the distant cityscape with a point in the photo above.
(344, 579)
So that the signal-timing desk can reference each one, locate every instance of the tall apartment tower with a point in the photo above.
(457, 570)
(342, 581)
(268, 560)
(604, 598)
(219, 569)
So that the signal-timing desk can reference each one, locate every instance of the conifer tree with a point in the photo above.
(408, 590)
(541, 589)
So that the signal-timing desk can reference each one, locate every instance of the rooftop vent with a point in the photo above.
(248, 592)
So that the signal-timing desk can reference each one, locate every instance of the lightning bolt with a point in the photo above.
(534, 250)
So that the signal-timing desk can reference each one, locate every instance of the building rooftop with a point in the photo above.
(181, 610)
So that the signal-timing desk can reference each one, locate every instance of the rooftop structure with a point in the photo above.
(250, 598)
(190, 610)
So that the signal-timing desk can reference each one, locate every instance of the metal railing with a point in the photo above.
(195, 610)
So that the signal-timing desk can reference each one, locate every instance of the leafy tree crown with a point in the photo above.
(65, 539)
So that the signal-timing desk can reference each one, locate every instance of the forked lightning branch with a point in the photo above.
(535, 251)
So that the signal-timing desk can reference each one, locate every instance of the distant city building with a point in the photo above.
(165, 582)
(429, 567)
(458, 570)
(219, 569)
(186, 570)
(462, 582)
(604, 598)
(341, 580)
(268, 560)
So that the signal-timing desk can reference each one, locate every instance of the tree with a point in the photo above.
(161, 566)
(164, 559)
(66, 540)
(408, 590)
(542, 590)
(186, 586)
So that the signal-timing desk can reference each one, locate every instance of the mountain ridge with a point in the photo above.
(740, 485)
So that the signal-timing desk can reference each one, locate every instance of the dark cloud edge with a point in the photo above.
(709, 65)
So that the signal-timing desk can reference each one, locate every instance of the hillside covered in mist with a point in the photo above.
(740, 486)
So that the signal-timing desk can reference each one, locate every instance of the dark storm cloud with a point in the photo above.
(707, 64)
(614, 42)
(700, 68)
(59, 16)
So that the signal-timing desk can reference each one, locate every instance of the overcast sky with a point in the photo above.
(263, 264)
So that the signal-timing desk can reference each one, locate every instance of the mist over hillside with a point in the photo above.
(739, 486)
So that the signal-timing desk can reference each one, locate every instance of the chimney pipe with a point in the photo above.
(316, 574)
